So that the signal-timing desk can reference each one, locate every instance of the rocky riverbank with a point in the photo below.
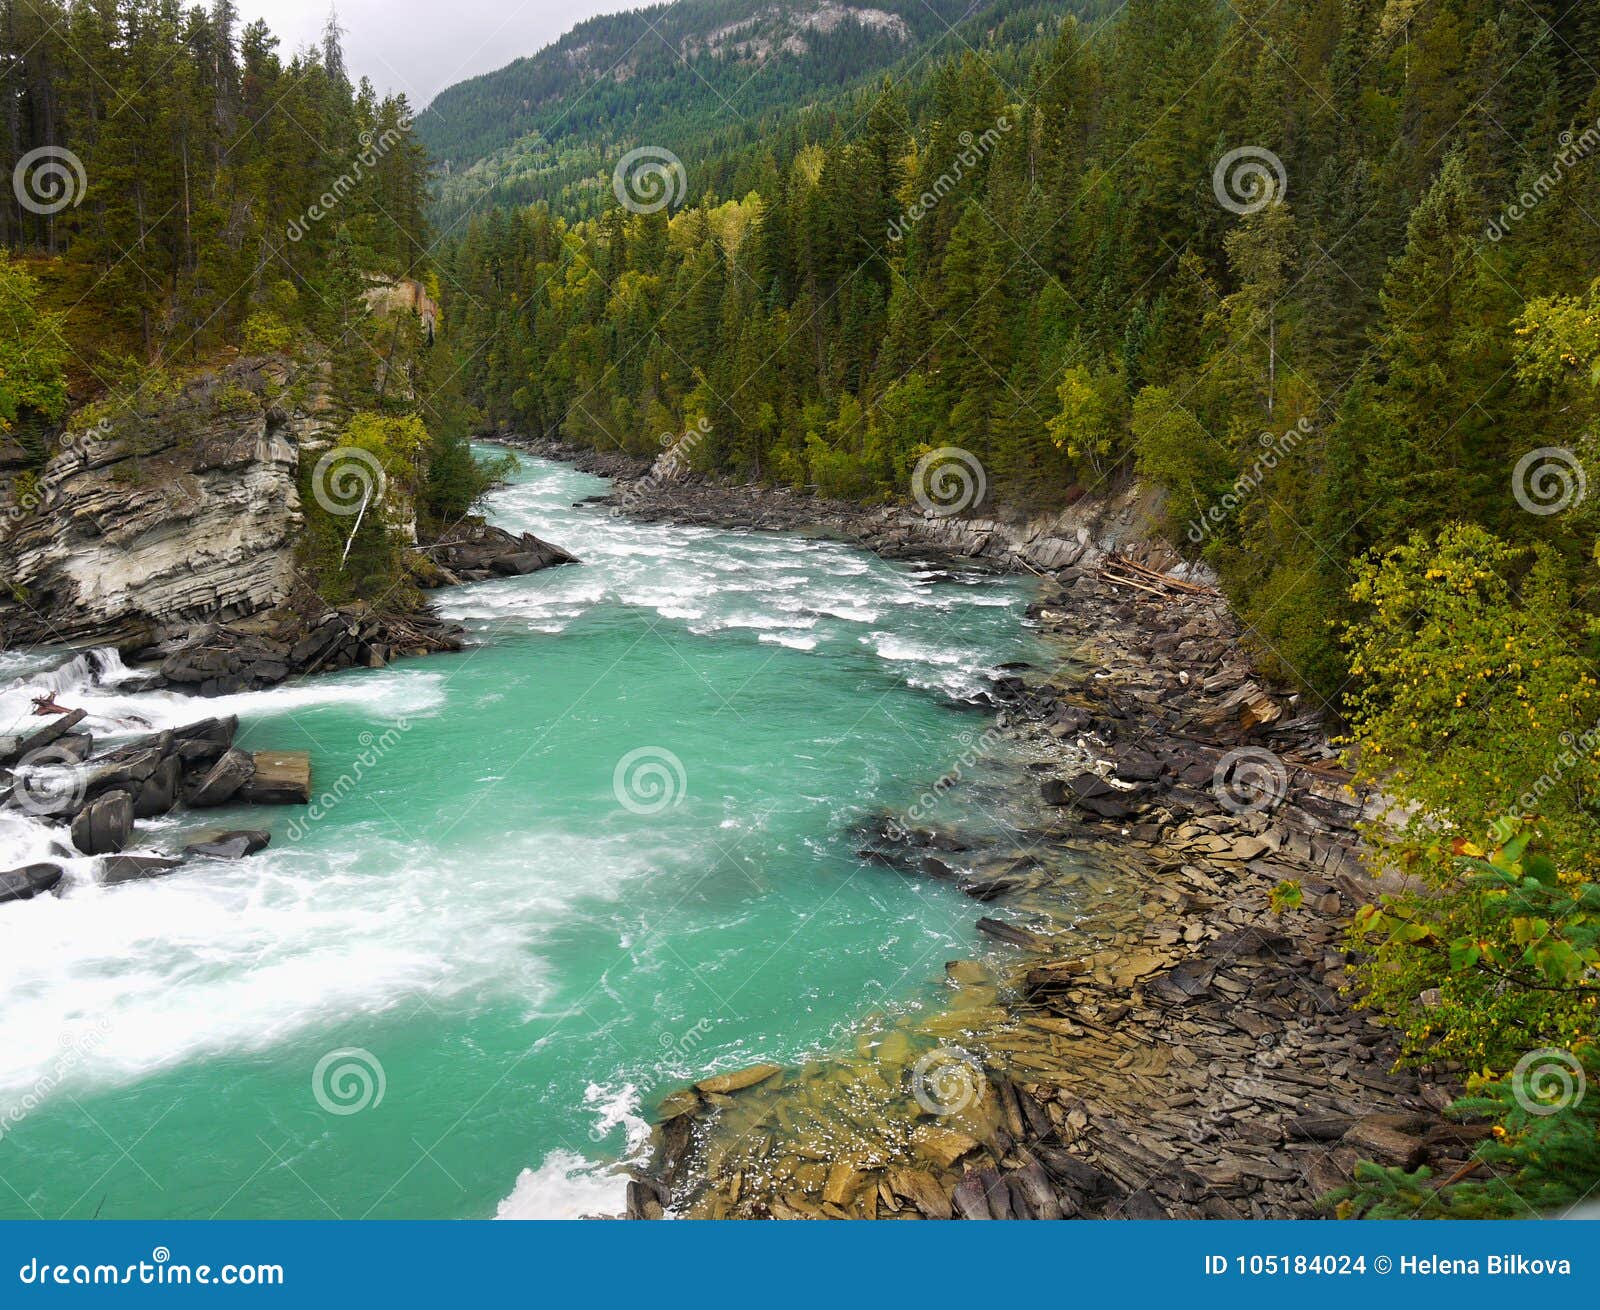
(171, 532)
(54, 774)
(1145, 1030)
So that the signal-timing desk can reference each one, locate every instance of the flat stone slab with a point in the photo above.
(280, 778)
(115, 869)
(740, 1079)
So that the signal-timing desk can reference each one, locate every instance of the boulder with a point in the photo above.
(198, 745)
(116, 869)
(1089, 792)
(279, 778)
(159, 792)
(223, 780)
(231, 845)
(121, 771)
(28, 881)
(103, 826)
(77, 746)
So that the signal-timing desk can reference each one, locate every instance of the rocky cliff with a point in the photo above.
(169, 528)
(184, 509)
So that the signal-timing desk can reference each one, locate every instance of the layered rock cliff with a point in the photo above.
(182, 510)
(169, 526)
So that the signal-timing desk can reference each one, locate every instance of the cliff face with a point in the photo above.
(184, 512)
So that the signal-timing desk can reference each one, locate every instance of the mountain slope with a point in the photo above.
(697, 78)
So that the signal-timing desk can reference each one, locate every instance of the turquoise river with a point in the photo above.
(603, 850)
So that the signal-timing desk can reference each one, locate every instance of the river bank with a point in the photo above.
(1143, 1034)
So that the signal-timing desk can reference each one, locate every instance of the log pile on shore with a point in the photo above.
(1145, 1034)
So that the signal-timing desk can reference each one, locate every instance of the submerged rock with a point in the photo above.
(231, 845)
(733, 1082)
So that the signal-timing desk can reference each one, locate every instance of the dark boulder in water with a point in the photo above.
(232, 845)
(28, 881)
(159, 792)
(223, 780)
(116, 869)
(103, 826)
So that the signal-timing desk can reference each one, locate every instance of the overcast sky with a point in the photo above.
(422, 46)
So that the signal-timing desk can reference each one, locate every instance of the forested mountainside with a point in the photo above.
(1323, 273)
(720, 74)
(180, 193)
(1062, 268)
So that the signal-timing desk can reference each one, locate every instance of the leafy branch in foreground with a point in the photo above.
(1543, 1157)
(1480, 715)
